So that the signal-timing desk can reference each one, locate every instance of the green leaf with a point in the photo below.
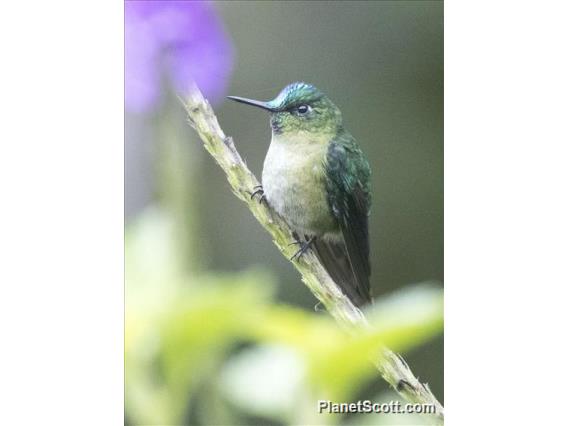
(266, 381)
(339, 364)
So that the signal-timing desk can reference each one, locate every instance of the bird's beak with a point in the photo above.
(259, 104)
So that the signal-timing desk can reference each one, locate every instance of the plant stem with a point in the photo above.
(390, 365)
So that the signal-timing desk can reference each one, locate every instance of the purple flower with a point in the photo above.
(175, 42)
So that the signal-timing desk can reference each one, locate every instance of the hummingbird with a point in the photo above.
(317, 178)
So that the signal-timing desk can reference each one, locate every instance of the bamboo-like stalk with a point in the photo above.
(243, 183)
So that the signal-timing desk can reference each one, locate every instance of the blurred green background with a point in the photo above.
(216, 318)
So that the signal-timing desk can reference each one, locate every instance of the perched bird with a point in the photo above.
(318, 179)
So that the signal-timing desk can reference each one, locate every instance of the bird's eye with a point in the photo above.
(302, 109)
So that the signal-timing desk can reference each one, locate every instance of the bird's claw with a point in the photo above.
(304, 246)
(258, 191)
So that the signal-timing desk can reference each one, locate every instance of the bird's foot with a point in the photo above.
(260, 192)
(304, 246)
(319, 307)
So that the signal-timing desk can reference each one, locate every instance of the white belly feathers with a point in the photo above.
(293, 182)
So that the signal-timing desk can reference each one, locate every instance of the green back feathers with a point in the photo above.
(349, 199)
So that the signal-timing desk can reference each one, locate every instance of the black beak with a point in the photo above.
(259, 104)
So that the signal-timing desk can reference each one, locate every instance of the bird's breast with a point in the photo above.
(293, 180)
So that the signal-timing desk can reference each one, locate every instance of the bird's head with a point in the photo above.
(299, 108)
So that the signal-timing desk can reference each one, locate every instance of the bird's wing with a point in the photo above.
(348, 177)
(334, 258)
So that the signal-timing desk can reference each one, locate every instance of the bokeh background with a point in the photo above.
(201, 274)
